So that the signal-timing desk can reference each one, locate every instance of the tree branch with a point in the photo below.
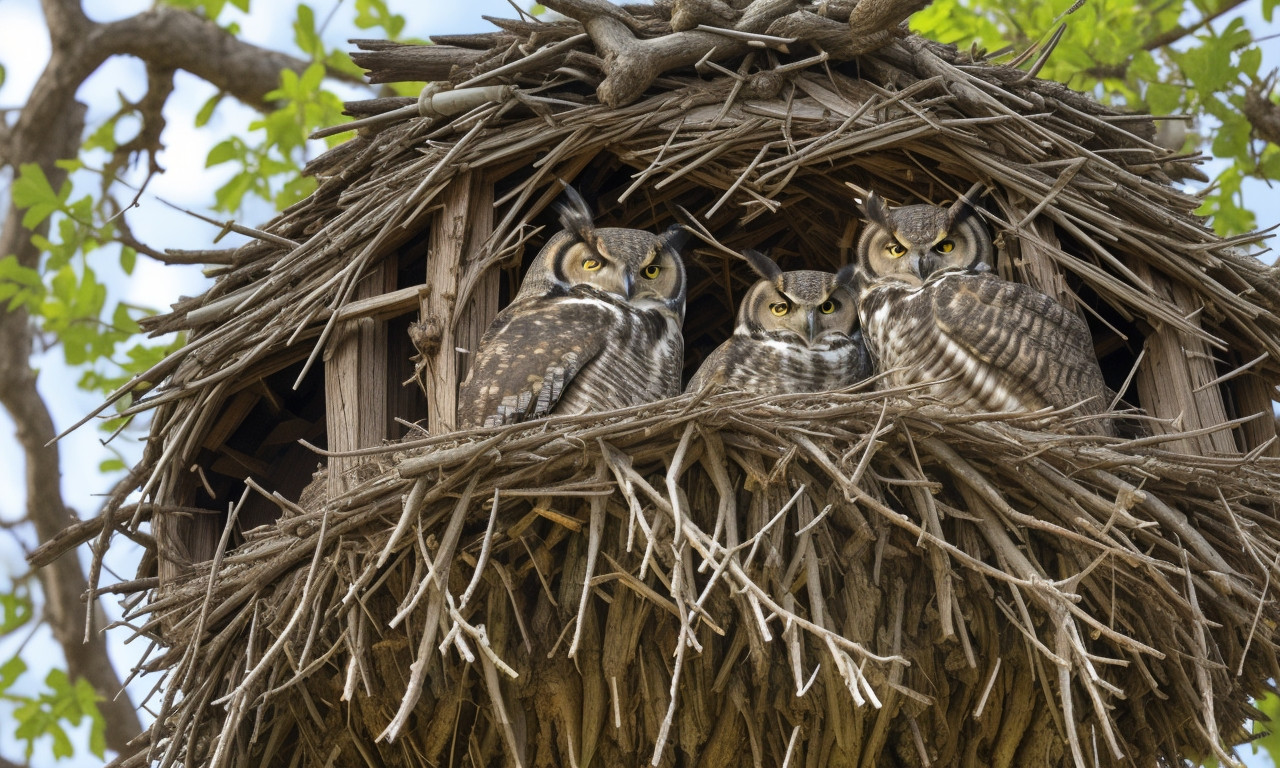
(1179, 32)
(65, 19)
(174, 39)
(48, 128)
(1261, 112)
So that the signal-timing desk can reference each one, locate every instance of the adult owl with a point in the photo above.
(796, 332)
(595, 326)
(933, 311)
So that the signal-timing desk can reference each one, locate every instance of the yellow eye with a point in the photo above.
(946, 246)
(652, 271)
(780, 309)
(896, 250)
(591, 265)
(827, 307)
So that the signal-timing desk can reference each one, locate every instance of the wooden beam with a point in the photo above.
(1172, 381)
(1254, 395)
(454, 257)
(355, 382)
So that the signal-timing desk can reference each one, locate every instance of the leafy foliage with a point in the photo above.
(65, 297)
(1269, 732)
(61, 703)
(1137, 55)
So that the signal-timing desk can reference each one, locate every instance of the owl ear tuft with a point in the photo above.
(876, 211)
(674, 238)
(963, 207)
(575, 214)
(847, 277)
(762, 265)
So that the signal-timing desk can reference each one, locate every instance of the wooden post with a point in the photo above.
(1038, 268)
(456, 249)
(1176, 366)
(355, 382)
(1253, 395)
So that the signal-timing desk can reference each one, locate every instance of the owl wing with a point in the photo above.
(1043, 350)
(712, 371)
(529, 357)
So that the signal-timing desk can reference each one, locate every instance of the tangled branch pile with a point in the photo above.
(859, 578)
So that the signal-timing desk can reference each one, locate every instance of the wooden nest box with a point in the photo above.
(850, 579)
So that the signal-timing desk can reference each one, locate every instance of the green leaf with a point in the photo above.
(374, 13)
(1269, 167)
(2, 74)
(206, 110)
(111, 465)
(340, 62)
(10, 671)
(224, 152)
(1233, 137)
(32, 191)
(229, 196)
(61, 743)
(104, 137)
(16, 609)
(1163, 99)
(128, 259)
(1204, 71)
(123, 322)
(19, 286)
(311, 79)
(304, 33)
(87, 701)
(1250, 61)
(1270, 743)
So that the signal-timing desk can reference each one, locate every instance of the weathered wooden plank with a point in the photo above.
(355, 382)
(1172, 379)
(456, 251)
(1254, 395)
(229, 420)
(414, 62)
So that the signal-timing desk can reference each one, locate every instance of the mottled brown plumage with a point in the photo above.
(595, 326)
(989, 345)
(796, 332)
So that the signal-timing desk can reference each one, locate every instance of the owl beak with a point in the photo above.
(628, 281)
(927, 264)
(811, 326)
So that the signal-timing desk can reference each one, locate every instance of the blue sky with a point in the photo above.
(23, 48)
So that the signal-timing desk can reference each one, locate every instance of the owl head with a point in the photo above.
(641, 267)
(812, 305)
(916, 241)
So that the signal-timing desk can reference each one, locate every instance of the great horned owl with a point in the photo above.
(933, 311)
(796, 332)
(595, 326)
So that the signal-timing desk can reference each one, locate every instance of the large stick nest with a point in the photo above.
(861, 578)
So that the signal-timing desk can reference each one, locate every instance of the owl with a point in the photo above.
(595, 326)
(932, 310)
(796, 332)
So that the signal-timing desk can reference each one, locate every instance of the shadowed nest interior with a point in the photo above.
(857, 578)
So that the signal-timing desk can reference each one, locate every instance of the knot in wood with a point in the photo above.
(764, 85)
(427, 335)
